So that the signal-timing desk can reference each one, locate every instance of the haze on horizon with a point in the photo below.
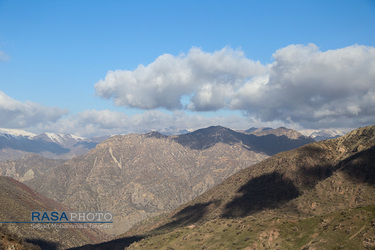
(120, 67)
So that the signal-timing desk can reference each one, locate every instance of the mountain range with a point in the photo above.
(211, 175)
(318, 196)
(138, 176)
(14, 143)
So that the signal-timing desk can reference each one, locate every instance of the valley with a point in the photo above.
(192, 189)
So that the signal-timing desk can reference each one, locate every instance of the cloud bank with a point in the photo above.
(303, 88)
(16, 114)
(303, 85)
(106, 122)
(36, 118)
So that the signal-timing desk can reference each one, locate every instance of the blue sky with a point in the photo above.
(227, 61)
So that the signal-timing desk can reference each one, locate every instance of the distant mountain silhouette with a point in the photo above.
(270, 143)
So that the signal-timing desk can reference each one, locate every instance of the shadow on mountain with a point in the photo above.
(118, 244)
(189, 215)
(266, 191)
(43, 244)
(360, 167)
(313, 166)
(312, 150)
(273, 144)
(308, 177)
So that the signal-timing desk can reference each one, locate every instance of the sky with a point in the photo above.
(94, 68)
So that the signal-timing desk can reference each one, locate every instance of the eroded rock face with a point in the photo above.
(29, 175)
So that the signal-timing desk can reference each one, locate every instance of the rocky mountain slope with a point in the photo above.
(16, 203)
(138, 176)
(318, 196)
(341, 165)
(28, 167)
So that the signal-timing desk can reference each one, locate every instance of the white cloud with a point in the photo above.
(36, 118)
(91, 123)
(303, 88)
(210, 77)
(303, 85)
(317, 89)
(16, 114)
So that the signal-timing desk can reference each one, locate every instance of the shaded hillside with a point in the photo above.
(138, 176)
(300, 186)
(16, 203)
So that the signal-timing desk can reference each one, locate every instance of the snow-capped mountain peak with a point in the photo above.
(16, 132)
(323, 134)
(60, 138)
(15, 143)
